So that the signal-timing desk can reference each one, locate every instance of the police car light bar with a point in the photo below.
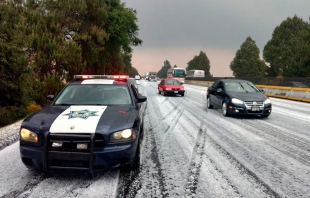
(120, 77)
(115, 77)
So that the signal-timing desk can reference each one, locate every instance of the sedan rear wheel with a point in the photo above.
(224, 109)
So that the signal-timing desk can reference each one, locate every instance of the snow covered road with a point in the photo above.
(191, 151)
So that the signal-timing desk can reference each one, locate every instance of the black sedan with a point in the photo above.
(94, 125)
(238, 97)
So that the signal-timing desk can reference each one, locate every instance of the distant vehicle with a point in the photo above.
(195, 73)
(170, 86)
(147, 75)
(137, 77)
(94, 125)
(152, 78)
(237, 97)
(177, 73)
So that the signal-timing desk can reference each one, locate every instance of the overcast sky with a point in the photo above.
(177, 30)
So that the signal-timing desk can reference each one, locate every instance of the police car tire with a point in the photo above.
(136, 163)
(141, 131)
(159, 92)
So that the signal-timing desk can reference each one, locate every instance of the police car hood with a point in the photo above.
(84, 119)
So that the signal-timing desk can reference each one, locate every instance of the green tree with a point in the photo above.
(200, 62)
(288, 51)
(107, 37)
(133, 72)
(14, 70)
(52, 48)
(247, 62)
(68, 37)
(162, 73)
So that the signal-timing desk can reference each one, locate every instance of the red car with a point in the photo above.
(170, 86)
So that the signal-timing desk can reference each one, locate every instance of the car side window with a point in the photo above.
(221, 85)
(215, 85)
(135, 92)
(162, 82)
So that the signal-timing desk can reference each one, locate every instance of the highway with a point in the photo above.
(191, 151)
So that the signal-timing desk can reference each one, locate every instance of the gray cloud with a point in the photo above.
(209, 24)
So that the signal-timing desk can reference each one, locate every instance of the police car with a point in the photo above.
(95, 124)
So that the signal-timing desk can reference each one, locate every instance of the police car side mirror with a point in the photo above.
(50, 98)
(141, 98)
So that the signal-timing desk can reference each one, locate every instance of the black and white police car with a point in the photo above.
(95, 124)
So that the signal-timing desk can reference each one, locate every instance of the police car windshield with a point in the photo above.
(94, 95)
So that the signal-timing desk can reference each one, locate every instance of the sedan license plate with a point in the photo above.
(176, 92)
(255, 108)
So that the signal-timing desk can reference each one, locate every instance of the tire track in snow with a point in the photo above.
(175, 120)
(129, 183)
(266, 188)
(155, 158)
(154, 150)
(195, 163)
(286, 142)
(245, 170)
(27, 185)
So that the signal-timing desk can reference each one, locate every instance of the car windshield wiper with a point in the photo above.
(244, 88)
(253, 87)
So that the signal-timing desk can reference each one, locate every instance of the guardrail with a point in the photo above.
(292, 93)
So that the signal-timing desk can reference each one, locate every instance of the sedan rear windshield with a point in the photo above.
(94, 95)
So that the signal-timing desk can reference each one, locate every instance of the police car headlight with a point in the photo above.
(124, 135)
(236, 101)
(28, 135)
(267, 101)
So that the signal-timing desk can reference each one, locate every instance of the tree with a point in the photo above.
(200, 62)
(70, 37)
(247, 62)
(50, 49)
(288, 51)
(107, 37)
(14, 70)
(133, 72)
(162, 73)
